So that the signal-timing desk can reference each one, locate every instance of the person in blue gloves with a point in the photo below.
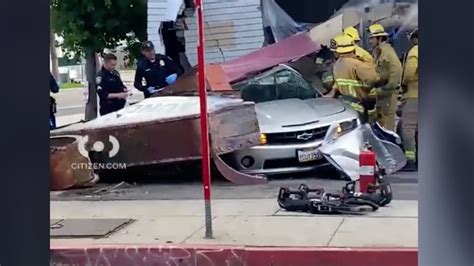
(154, 71)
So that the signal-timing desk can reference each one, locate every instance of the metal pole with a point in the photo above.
(206, 174)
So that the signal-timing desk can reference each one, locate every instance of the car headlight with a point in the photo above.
(345, 127)
(263, 139)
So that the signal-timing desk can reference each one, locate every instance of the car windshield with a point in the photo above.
(279, 85)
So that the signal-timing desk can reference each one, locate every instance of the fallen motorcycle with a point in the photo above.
(317, 201)
(380, 194)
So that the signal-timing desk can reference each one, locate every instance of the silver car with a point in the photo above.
(294, 120)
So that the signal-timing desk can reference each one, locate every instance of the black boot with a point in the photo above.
(411, 166)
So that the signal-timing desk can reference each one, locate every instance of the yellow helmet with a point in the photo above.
(377, 30)
(352, 32)
(342, 44)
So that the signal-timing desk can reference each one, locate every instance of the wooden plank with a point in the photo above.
(216, 43)
(237, 22)
(154, 24)
(227, 29)
(157, 11)
(234, 35)
(151, 31)
(255, 44)
(227, 17)
(162, 4)
(222, 4)
(155, 18)
(231, 10)
(206, 2)
(223, 55)
(230, 48)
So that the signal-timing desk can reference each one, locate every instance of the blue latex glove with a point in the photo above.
(151, 90)
(171, 79)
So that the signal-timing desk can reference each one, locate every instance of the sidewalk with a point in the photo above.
(244, 222)
(244, 225)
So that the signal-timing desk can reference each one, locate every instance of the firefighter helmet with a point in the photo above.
(352, 32)
(342, 44)
(377, 30)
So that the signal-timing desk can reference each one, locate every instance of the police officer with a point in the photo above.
(112, 92)
(359, 51)
(54, 88)
(410, 103)
(387, 61)
(353, 77)
(157, 70)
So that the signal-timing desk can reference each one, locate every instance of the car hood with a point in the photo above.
(295, 114)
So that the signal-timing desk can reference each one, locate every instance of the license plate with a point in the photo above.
(307, 155)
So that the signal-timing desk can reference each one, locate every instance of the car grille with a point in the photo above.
(297, 136)
(290, 162)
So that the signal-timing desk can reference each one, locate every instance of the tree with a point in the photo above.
(89, 26)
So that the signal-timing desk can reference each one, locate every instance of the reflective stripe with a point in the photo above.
(410, 155)
(350, 85)
(357, 107)
(328, 79)
(355, 104)
(351, 82)
(372, 93)
(346, 86)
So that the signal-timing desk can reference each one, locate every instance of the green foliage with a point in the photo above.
(65, 86)
(134, 51)
(65, 61)
(92, 25)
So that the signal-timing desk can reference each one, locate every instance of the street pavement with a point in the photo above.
(404, 187)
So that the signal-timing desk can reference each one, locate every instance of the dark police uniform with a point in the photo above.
(154, 73)
(54, 88)
(109, 82)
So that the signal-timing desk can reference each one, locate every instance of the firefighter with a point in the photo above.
(359, 51)
(387, 61)
(157, 70)
(354, 78)
(112, 92)
(410, 103)
(363, 54)
(327, 78)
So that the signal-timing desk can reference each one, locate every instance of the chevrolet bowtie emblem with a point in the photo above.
(305, 136)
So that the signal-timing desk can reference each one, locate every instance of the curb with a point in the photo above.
(203, 255)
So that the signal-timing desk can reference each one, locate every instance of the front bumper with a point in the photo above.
(275, 159)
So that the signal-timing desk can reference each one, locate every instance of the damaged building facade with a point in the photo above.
(233, 28)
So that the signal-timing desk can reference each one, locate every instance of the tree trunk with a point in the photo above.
(91, 72)
(54, 55)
